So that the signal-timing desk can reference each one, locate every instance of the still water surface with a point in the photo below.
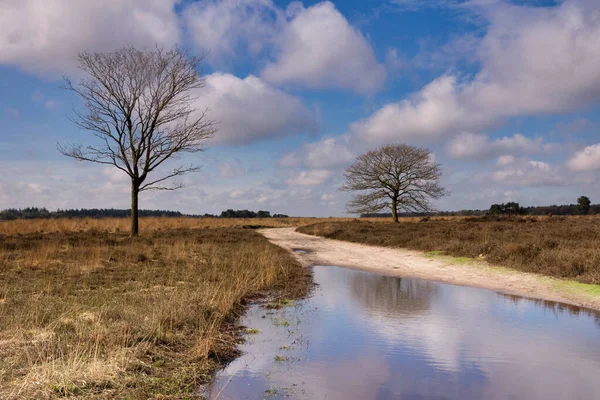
(367, 336)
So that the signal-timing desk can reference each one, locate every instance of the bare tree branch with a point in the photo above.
(139, 104)
(396, 177)
(176, 172)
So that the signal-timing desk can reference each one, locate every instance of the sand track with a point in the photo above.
(401, 262)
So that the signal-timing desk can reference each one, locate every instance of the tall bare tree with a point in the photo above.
(140, 106)
(395, 177)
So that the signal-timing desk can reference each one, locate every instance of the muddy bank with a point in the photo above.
(311, 250)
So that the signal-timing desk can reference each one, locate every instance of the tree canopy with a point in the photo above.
(510, 208)
(395, 177)
(583, 205)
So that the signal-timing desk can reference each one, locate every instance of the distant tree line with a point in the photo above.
(510, 208)
(583, 207)
(35, 212)
(570, 209)
(249, 214)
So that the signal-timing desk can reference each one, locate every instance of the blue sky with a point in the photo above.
(506, 94)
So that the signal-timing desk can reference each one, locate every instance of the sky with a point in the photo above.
(505, 93)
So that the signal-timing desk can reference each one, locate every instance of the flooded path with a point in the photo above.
(367, 336)
(314, 250)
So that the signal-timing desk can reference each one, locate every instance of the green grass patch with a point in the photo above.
(454, 260)
(287, 303)
(271, 392)
(577, 287)
(281, 322)
(252, 331)
(284, 303)
(435, 253)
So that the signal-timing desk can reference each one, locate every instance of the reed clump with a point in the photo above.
(564, 247)
(95, 314)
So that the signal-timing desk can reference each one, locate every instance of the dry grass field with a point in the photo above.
(564, 247)
(153, 224)
(147, 224)
(87, 312)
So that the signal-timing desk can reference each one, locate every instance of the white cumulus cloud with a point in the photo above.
(310, 177)
(535, 60)
(250, 109)
(320, 49)
(472, 146)
(313, 47)
(223, 27)
(44, 37)
(521, 172)
(437, 110)
(587, 159)
(329, 152)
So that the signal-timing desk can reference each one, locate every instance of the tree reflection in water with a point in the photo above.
(392, 296)
(554, 307)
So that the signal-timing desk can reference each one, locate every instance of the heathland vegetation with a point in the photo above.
(564, 247)
(87, 311)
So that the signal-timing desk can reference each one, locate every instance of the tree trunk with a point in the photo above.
(135, 191)
(395, 210)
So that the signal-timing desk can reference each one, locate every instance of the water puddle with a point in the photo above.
(368, 336)
(300, 251)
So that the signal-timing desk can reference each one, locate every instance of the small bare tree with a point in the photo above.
(396, 177)
(139, 104)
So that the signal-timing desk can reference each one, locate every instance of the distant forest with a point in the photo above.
(500, 209)
(35, 212)
(495, 209)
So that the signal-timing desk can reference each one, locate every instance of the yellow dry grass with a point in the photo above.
(95, 314)
(152, 224)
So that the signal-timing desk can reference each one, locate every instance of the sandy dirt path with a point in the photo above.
(312, 250)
